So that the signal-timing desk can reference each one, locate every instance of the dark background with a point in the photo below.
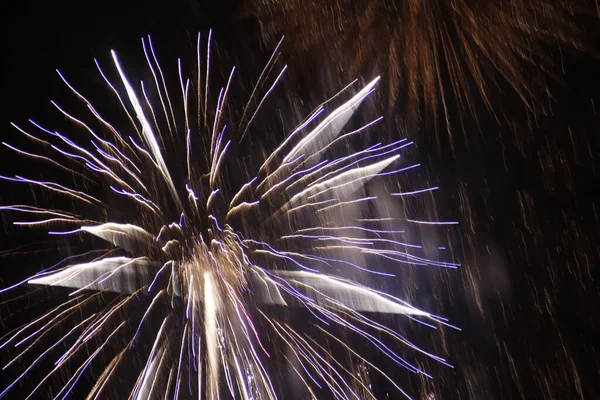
(527, 296)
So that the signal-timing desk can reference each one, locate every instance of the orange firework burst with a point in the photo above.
(435, 55)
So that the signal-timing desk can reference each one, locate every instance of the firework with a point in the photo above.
(438, 56)
(216, 267)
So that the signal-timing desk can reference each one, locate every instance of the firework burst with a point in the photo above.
(438, 56)
(214, 267)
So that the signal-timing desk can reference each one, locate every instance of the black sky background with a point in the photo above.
(527, 296)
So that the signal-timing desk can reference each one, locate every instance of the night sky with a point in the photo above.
(525, 191)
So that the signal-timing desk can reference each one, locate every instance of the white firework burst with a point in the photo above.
(217, 269)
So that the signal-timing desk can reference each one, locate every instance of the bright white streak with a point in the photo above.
(346, 178)
(212, 342)
(349, 106)
(147, 132)
(355, 297)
